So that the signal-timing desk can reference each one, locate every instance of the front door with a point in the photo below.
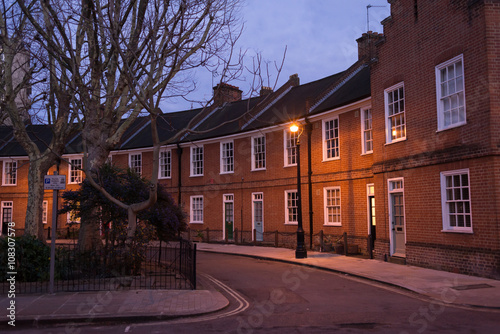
(228, 216)
(258, 216)
(373, 223)
(397, 218)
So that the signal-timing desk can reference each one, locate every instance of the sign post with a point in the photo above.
(56, 183)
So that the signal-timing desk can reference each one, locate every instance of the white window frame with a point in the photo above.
(9, 177)
(366, 132)
(370, 191)
(289, 209)
(45, 211)
(165, 164)
(458, 84)
(194, 213)
(335, 139)
(326, 207)
(3, 205)
(75, 173)
(389, 131)
(290, 147)
(134, 163)
(197, 157)
(227, 160)
(259, 156)
(447, 227)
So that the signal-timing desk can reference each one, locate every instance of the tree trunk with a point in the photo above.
(37, 170)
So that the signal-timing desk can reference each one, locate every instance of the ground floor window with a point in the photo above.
(291, 207)
(196, 214)
(455, 201)
(332, 206)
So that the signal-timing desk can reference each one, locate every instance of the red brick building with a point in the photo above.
(403, 146)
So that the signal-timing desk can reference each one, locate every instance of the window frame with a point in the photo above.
(3, 205)
(445, 201)
(364, 131)
(192, 214)
(226, 162)
(289, 149)
(288, 208)
(325, 206)
(440, 99)
(135, 167)
(75, 174)
(388, 123)
(335, 139)
(167, 166)
(45, 212)
(197, 167)
(13, 171)
(254, 159)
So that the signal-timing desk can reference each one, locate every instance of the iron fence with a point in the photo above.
(159, 265)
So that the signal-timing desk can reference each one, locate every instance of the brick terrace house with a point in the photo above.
(403, 146)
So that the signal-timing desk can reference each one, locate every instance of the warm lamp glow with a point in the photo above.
(294, 127)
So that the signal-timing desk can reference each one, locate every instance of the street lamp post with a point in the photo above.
(300, 252)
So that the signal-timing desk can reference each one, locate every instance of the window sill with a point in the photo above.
(9, 185)
(457, 125)
(331, 159)
(196, 175)
(457, 231)
(198, 223)
(292, 224)
(367, 153)
(396, 141)
(164, 178)
(337, 224)
(287, 166)
(224, 173)
(258, 170)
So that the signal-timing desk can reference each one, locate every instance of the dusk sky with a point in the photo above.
(319, 37)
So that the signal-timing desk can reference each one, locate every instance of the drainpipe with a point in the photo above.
(309, 182)
(179, 178)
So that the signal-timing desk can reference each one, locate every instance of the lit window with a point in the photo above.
(455, 197)
(259, 153)
(450, 93)
(75, 171)
(197, 161)
(332, 206)
(44, 211)
(395, 113)
(165, 164)
(227, 157)
(331, 139)
(135, 163)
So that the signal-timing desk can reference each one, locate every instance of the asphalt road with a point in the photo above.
(273, 297)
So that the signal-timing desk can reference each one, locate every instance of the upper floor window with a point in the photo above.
(165, 164)
(455, 198)
(75, 171)
(291, 207)
(196, 160)
(331, 139)
(259, 153)
(9, 173)
(227, 157)
(450, 93)
(366, 128)
(290, 147)
(135, 163)
(395, 122)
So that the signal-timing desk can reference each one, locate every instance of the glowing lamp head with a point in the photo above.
(294, 127)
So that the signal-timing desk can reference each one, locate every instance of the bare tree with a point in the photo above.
(125, 57)
(27, 67)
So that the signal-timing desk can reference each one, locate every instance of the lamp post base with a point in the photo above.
(301, 251)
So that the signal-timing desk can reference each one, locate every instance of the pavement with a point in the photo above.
(147, 305)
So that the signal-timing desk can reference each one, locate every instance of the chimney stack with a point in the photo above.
(224, 92)
(367, 44)
(265, 91)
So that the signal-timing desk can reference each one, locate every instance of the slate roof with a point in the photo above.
(287, 104)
